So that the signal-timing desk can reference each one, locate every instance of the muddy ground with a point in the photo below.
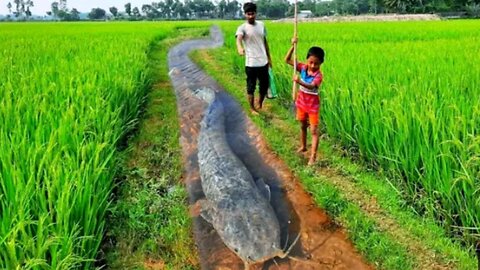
(322, 244)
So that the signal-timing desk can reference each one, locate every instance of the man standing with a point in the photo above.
(252, 42)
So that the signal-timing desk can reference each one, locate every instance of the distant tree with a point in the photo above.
(376, 6)
(169, 8)
(345, 7)
(396, 5)
(221, 9)
(97, 14)
(150, 12)
(307, 5)
(28, 4)
(22, 7)
(473, 9)
(277, 8)
(63, 15)
(179, 10)
(136, 12)
(74, 15)
(176, 9)
(9, 6)
(19, 7)
(114, 11)
(188, 4)
(128, 9)
(55, 9)
(202, 8)
(363, 6)
(324, 8)
(233, 8)
(62, 5)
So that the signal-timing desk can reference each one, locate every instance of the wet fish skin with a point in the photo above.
(242, 217)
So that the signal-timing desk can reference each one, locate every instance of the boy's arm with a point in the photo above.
(315, 83)
(306, 85)
(288, 56)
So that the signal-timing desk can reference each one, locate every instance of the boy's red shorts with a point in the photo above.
(303, 116)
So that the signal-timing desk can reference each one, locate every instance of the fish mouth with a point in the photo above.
(276, 253)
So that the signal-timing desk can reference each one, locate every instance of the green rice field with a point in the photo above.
(405, 95)
(69, 94)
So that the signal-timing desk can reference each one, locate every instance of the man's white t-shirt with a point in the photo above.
(253, 42)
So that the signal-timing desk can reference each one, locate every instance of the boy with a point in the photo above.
(252, 42)
(308, 101)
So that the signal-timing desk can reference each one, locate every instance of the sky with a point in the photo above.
(42, 6)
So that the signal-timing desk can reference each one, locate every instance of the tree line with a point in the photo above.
(270, 9)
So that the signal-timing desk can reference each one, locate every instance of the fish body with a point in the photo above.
(234, 202)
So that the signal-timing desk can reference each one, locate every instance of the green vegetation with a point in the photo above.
(404, 96)
(399, 97)
(367, 69)
(70, 95)
(207, 9)
(149, 225)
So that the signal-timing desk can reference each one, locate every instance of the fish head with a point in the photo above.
(253, 237)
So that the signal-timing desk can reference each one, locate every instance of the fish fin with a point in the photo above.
(207, 212)
(263, 188)
(205, 93)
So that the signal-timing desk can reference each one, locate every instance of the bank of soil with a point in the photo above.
(364, 18)
(322, 244)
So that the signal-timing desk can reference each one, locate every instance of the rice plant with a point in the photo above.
(69, 92)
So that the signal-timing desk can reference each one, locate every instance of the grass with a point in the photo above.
(383, 228)
(387, 96)
(149, 225)
(69, 92)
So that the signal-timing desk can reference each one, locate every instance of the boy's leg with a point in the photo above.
(303, 137)
(315, 136)
(264, 83)
(303, 118)
(251, 83)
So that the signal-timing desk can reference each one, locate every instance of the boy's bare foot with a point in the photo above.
(301, 149)
(254, 112)
(311, 161)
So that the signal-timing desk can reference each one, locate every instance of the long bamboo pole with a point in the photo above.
(294, 88)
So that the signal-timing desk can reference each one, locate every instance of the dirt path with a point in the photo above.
(322, 244)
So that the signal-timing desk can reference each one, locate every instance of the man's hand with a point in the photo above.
(241, 51)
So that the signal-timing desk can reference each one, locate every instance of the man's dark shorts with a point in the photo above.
(260, 73)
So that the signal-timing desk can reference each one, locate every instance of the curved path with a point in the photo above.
(322, 245)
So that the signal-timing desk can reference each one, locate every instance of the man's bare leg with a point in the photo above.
(252, 105)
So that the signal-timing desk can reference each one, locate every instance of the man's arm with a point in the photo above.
(267, 50)
(240, 49)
